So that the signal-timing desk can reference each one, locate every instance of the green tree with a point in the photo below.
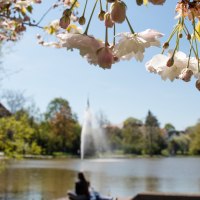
(132, 136)
(57, 106)
(194, 133)
(154, 140)
(151, 120)
(114, 135)
(16, 136)
(179, 144)
(169, 127)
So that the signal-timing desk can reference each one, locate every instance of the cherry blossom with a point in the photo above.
(105, 57)
(183, 67)
(158, 64)
(16, 17)
(87, 45)
(133, 45)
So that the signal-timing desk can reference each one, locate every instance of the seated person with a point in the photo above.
(81, 189)
(82, 185)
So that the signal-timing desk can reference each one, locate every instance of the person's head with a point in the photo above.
(81, 176)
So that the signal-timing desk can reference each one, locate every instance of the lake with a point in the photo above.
(51, 179)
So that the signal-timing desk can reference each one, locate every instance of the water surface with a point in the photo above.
(51, 179)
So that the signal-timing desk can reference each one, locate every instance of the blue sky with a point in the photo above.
(127, 90)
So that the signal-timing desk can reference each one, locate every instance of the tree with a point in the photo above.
(15, 100)
(57, 106)
(132, 122)
(16, 137)
(154, 138)
(102, 119)
(179, 144)
(133, 140)
(151, 120)
(169, 127)
(65, 130)
(114, 135)
(194, 133)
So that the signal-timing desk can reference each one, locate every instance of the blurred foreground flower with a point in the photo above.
(16, 15)
(87, 45)
(133, 45)
(183, 67)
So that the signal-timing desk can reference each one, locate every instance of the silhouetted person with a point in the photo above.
(81, 189)
(82, 185)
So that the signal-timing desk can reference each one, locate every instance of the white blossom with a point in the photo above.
(151, 36)
(87, 45)
(21, 3)
(133, 45)
(158, 64)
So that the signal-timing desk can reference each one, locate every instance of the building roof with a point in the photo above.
(4, 112)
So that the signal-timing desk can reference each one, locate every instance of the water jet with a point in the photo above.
(93, 139)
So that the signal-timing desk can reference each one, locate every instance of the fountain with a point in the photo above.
(93, 138)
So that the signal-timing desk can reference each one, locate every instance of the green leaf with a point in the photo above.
(29, 9)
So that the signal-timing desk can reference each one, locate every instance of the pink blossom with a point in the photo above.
(105, 57)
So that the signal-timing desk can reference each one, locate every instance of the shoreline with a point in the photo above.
(50, 157)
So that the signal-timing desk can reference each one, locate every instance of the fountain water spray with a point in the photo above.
(92, 135)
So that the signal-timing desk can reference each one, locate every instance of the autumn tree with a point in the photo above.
(63, 126)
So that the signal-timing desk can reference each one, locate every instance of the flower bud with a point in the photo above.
(55, 5)
(139, 2)
(157, 2)
(37, 1)
(107, 19)
(64, 22)
(170, 62)
(81, 20)
(101, 15)
(105, 57)
(198, 84)
(186, 74)
(165, 45)
(188, 36)
(118, 11)
(180, 35)
(26, 18)
(67, 12)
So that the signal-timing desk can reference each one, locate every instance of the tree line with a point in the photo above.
(57, 132)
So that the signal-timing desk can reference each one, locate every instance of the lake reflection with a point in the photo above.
(51, 179)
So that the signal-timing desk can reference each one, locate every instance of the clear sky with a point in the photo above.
(127, 90)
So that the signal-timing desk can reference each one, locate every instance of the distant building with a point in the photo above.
(4, 112)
